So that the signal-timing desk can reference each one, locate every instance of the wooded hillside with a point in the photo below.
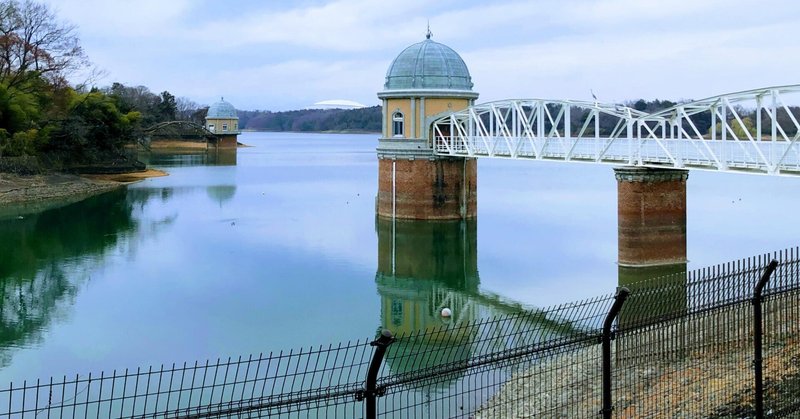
(318, 120)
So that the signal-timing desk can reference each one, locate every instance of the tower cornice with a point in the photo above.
(406, 93)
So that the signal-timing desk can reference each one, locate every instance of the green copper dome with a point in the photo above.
(221, 109)
(428, 65)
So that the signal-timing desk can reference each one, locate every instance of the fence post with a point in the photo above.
(757, 334)
(619, 299)
(370, 392)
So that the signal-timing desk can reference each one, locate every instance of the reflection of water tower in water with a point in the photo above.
(222, 121)
(422, 268)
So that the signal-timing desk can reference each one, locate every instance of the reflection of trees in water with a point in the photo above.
(179, 158)
(74, 230)
(46, 257)
(27, 305)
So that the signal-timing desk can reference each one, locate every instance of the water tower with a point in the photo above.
(426, 81)
(221, 120)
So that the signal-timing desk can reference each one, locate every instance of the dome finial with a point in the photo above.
(429, 34)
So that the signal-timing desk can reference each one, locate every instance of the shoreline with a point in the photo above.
(160, 146)
(20, 195)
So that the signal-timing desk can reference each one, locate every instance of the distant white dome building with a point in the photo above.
(338, 104)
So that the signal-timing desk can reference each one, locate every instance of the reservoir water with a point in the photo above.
(277, 247)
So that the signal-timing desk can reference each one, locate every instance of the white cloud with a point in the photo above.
(675, 65)
(118, 18)
(342, 25)
(298, 82)
(283, 56)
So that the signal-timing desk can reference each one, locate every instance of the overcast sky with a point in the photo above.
(278, 55)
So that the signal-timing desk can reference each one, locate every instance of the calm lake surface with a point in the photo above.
(278, 247)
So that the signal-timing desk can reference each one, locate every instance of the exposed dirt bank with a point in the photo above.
(127, 177)
(170, 145)
(178, 144)
(21, 195)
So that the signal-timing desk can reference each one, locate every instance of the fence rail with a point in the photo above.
(716, 342)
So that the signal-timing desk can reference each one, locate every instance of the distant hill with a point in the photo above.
(313, 120)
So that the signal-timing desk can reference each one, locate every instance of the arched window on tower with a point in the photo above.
(397, 124)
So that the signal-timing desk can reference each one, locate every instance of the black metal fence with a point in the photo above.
(697, 344)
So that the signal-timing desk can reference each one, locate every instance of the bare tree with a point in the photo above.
(34, 43)
(186, 108)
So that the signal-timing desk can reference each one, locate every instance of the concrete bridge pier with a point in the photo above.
(651, 216)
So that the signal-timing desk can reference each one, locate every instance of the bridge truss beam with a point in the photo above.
(755, 131)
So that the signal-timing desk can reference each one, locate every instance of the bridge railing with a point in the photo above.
(755, 131)
(688, 344)
(533, 128)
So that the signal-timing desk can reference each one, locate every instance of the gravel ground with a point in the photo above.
(712, 379)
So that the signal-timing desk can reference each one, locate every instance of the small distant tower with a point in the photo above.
(222, 121)
(426, 81)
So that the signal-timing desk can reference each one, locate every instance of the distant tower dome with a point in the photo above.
(428, 65)
(221, 109)
(221, 120)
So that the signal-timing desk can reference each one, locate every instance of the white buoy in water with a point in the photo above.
(446, 312)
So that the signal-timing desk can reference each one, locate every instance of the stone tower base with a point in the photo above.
(428, 188)
(227, 141)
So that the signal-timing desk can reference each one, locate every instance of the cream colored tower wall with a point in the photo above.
(233, 125)
(404, 106)
(413, 118)
(435, 106)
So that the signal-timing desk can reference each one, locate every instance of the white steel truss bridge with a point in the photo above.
(754, 131)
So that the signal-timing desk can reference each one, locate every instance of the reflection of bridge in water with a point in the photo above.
(189, 157)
